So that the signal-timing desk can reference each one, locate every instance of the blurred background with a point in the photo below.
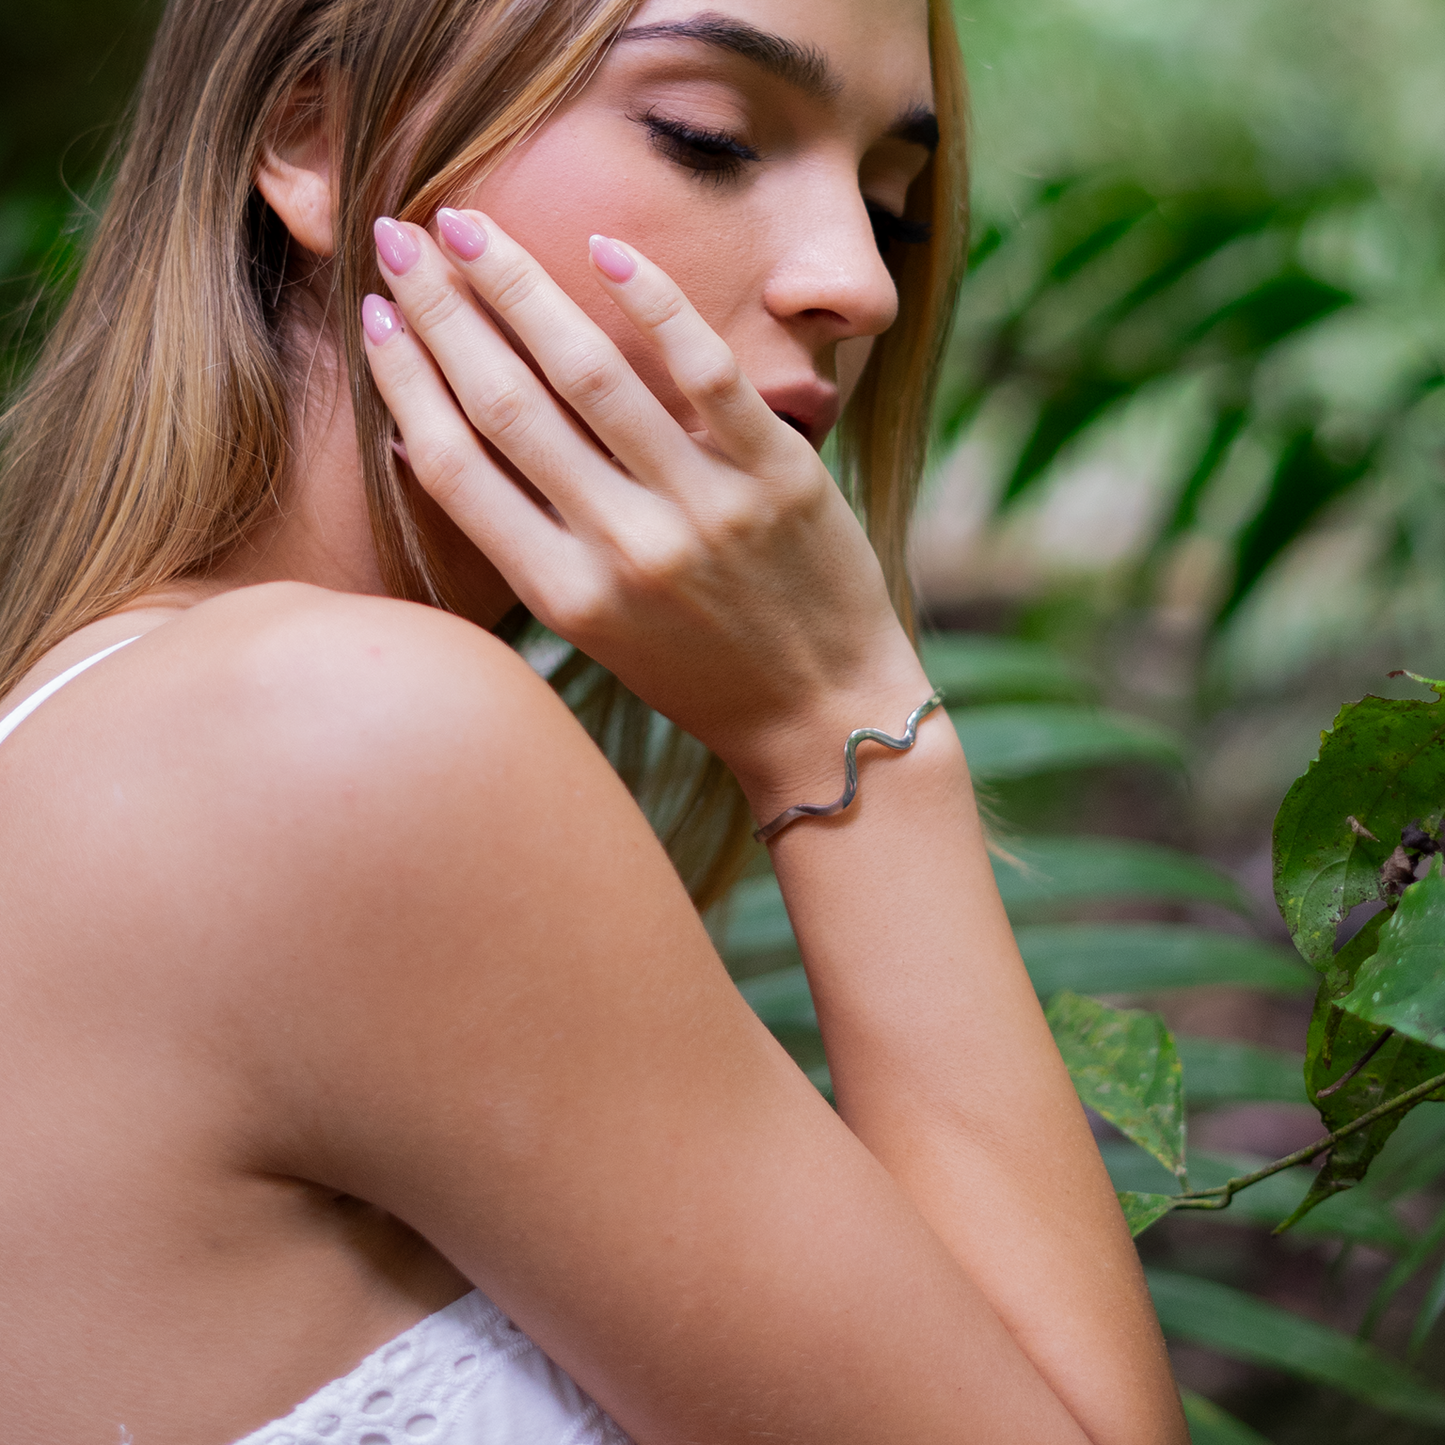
(1188, 483)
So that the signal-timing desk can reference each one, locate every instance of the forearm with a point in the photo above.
(943, 1066)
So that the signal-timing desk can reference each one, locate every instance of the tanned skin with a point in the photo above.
(340, 973)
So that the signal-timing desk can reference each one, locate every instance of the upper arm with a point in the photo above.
(480, 998)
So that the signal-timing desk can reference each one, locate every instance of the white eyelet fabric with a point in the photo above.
(463, 1376)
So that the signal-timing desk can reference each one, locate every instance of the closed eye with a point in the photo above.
(889, 229)
(709, 154)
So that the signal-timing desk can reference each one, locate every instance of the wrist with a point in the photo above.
(800, 758)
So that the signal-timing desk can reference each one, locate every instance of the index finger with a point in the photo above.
(578, 358)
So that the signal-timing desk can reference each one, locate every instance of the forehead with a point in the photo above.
(871, 49)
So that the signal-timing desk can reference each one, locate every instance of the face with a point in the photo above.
(760, 151)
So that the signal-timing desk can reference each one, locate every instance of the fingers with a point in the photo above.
(450, 461)
(500, 393)
(697, 358)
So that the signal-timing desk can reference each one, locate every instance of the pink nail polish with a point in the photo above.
(610, 259)
(379, 320)
(462, 234)
(397, 245)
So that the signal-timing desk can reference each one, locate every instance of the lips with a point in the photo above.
(810, 407)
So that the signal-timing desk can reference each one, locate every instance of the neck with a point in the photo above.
(320, 532)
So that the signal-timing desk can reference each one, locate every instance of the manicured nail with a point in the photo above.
(464, 236)
(610, 259)
(379, 320)
(397, 245)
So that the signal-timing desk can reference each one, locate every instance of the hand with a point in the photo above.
(721, 575)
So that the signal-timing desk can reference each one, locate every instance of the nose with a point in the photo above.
(829, 277)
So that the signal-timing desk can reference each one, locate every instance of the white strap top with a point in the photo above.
(12, 720)
(463, 1376)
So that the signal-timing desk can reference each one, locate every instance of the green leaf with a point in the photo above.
(1019, 740)
(1359, 1216)
(781, 999)
(1382, 763)
(1336, 1043)
(1220, 1071)
(1430, 1312)
(1244, 1328)
(1209, 1425)
(1142, 1210)
(1406, 1268)
(1051, 872)
(1402, 986)
(1124, 1066)
(972, 668)
(1145, 957)
(755, 921)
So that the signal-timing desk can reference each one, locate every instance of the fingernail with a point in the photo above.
(610, 259)
(379, 320)
(464, 236)
(397, 245)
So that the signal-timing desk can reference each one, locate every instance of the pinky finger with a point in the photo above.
(448, 458)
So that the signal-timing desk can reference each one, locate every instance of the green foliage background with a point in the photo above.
(1206, 253)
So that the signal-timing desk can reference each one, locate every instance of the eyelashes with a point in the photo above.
(717, 156)
(710, 154)
(888, 228)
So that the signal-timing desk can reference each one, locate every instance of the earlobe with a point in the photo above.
(301, 197)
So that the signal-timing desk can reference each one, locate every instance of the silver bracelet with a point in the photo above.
(850, 770)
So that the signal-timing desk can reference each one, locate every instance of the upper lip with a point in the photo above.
(812, 403)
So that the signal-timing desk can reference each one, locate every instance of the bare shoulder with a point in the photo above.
(295, 690)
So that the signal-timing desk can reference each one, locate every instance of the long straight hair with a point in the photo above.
(154, 431)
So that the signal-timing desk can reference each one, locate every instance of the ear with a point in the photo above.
(294, 172)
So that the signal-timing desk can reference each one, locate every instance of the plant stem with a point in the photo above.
(1357, 1065)
(1221, 1194)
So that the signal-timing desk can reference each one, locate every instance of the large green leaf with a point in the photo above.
(1019, 740)
(975, 668)
(1098, 957)
(1050, 872)
(1054, 872)
(1358, 1067)
(1144, 957)
(1383, 764)
(1124, 1066)
(1221, 1071)
(1209, 1425)
(1360, 1216)
(1402, 985)
(1244, 1328)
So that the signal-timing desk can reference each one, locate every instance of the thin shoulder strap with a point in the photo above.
(11, 721)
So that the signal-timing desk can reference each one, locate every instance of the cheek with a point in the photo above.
(568, 183)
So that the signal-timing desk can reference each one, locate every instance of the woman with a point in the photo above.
(343, 978)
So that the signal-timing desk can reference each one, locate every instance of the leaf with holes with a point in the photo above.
(1381, 764)
(1402, 985)
(1125, 1067)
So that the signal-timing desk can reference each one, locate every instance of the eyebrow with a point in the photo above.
(804, 67)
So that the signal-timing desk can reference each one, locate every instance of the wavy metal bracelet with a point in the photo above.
(850, 770)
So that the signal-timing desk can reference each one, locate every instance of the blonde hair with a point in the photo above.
(152, 433)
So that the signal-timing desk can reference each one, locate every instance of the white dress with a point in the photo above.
(463, 1376)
